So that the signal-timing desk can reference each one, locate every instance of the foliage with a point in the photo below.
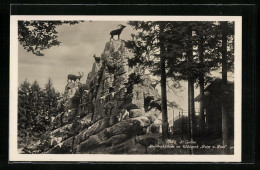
(36, 106)
(229, 30)
(36, 36)
(149, 47)
(50, 99)
(183, 44)
(146, 45)
(24, 108)
(181, 41)
(150, 103)
(190, 50)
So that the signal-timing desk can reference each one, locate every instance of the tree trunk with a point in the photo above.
(201, 84)
(191, 107)
(201, 114)
(165, 124)
(225, 116)
(189, 113)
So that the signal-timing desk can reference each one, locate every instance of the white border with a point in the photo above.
(13, 151)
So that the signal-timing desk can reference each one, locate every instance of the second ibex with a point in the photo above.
(72, 77)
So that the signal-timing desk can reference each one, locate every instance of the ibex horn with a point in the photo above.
(119, 25)
(81, 74)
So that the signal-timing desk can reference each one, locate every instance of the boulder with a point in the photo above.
(122, 148)
(131, 127)
(136, 113)
(57, 121)
(88, 144)
(147, 140)
(71, 114)
(60, 134)
(113, 120)
(62, 131)
(114, 140)
(153, 114)
(154, 128)
(137, 149)
(85, 122)
(90, 120)
(65, 147)
(93, 129)
(111, 136)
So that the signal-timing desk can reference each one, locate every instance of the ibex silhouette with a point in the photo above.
(117, 32)
(97, 59)
(72, 77)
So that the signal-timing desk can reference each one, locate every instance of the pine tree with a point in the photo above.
(191, 51)
(150, 51)
(36, 101)
(226, 34)
(35, 97)
(165, 124)
(23, 108)
(50, 101)
(182, 64)
(193, 54)
(208, 58)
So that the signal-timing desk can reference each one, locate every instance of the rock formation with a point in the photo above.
(109, 113)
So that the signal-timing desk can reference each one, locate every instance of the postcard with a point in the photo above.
(125, 88)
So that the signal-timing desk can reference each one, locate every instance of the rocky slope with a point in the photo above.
(110, 113)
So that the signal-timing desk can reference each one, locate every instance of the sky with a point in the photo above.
(79, 43)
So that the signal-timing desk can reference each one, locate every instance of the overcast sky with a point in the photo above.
(79, 43)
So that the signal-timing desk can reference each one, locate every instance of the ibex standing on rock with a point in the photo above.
(72, 77)
(117, 32)
(97, 59)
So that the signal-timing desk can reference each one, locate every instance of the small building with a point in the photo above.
(213, 107)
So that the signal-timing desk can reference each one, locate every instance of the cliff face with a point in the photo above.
(110, 113)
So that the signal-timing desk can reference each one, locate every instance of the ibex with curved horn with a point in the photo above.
(72, 77)
(117, 31)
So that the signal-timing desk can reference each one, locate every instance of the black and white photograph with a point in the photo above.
(125, 88)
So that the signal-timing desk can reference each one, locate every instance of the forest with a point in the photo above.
(187, 51)
(36, 109)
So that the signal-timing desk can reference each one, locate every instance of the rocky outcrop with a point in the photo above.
(108, 112)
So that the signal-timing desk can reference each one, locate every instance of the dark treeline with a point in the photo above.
(187, 51)
(36, 107)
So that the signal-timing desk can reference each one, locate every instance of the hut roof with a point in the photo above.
(214, 87)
